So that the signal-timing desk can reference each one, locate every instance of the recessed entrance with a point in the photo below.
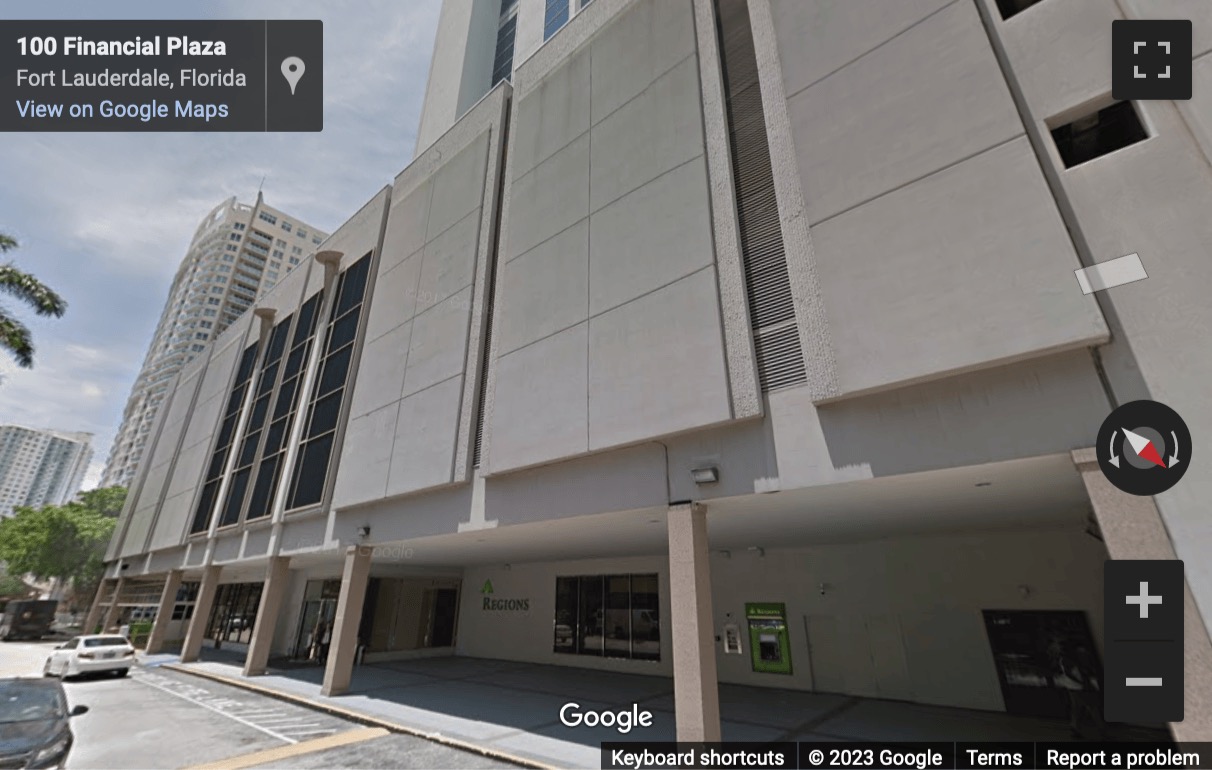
(1041, 657)
(406, 617)
(315, 621)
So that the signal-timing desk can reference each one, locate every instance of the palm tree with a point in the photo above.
(14, 335)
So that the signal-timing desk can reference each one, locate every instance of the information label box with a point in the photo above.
(162, 75)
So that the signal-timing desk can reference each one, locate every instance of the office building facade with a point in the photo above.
(238, 252)
(41, 467)
(728, 341)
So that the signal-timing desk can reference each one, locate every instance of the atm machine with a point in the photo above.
(769, 643)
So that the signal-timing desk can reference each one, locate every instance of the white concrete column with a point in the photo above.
(197, 624)
(339, 671)
(94, 612)
(111, 613)
(164, 614)
(277, 575)
(1132, 528)
(696, 696)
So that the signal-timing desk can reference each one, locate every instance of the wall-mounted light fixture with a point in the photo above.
(705, 475)
(1024, 591)
(761, 552)
(824, 588)
(363, 531)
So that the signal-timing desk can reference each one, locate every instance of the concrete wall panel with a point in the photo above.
(637, 48)
(458, 187)
(554, 276)
(658, 130)
(423, 451)
(396, 292)
(368, 444)
(650, 238)
(540, 408)
(1061, 52)
(966, 267)
(656, 365)
(647, 286)
(449, 262)
(425, 319)
(552, 115)
(552, 197)
(406, 226)
(438, 348)
(381, 372)
(925, 99)
(826, 35)
(1198, 11)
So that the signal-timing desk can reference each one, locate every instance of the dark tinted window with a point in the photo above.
(27, 702)
(106, 641)
(311, 471)
(224, 440)
(1100, 133)
(614, 616)
(1011, 7)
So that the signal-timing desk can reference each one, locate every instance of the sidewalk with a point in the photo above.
(510, 710)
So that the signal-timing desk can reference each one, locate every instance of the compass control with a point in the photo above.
(1144, 447)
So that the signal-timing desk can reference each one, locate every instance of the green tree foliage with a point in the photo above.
(15, 336)
(67, 542)
(12, 587)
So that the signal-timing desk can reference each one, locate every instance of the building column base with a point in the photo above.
(94, 612)
(164, 614)
(338, 672)
(197, 624)
(696, 691)
(111, 613)
(277, 575)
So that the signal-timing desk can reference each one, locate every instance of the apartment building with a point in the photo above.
(733, 342)
(41, 467)
(238, 252)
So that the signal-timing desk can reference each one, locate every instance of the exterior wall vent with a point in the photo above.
(768, 285)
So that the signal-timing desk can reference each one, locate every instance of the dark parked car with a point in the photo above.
(34, 729)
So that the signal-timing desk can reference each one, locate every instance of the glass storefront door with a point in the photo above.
(234, 613)
(316, 621)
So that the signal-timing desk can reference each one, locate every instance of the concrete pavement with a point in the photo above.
(513, 708)
(157, 718)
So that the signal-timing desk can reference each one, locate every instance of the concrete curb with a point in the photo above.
(359, 717)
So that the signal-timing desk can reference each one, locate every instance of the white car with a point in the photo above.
(91, 655)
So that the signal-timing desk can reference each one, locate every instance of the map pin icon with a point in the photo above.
(292, 70)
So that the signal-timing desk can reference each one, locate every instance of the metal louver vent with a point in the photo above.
(490, 290)
(768, 285)
(489, 302)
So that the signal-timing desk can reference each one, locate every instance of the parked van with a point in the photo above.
(28, 619)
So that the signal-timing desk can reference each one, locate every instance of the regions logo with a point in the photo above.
(506, 605)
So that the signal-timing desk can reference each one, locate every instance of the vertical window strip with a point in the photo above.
(285, 407)
(224, 441)
(554, 17)
(250, 445)
(316, 448)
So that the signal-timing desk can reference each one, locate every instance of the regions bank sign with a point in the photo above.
(506, 605)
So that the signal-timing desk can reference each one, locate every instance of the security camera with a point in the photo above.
(822, 588)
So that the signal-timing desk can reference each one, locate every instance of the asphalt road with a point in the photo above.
(157, 718)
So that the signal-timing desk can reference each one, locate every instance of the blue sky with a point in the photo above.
(104, 219)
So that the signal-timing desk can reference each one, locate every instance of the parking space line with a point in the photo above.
(297, 749)
(144, 680)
